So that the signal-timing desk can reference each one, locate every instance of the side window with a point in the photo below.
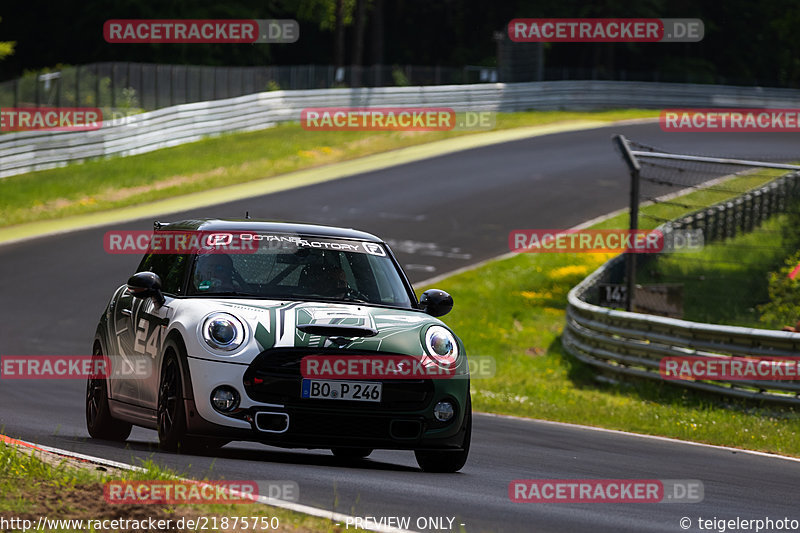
(170, 268)
(145, 265)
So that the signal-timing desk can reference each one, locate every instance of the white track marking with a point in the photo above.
(643, 436)
(297, 507)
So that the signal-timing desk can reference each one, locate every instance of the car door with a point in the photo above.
(123, 383)
(140, 327)
(151, 323)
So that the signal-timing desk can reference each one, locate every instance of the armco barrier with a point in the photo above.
(622, 342)
(36, 150)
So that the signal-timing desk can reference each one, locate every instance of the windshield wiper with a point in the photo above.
(353, 299)
(226, 293)
(340, 299)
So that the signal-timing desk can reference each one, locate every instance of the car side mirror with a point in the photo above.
(146, 285)
(436, 302)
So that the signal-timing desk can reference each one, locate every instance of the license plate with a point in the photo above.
(363, 391)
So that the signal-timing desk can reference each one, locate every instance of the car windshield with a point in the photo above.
(298, 268)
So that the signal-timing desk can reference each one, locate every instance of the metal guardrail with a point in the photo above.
(630, 343)
(36, 150)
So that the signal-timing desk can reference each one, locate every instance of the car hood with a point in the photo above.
(276, 324)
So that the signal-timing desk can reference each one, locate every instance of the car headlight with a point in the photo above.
(441, 345)
(223, 331)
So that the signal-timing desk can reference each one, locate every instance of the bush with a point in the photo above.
(783, 308)
(399, 77)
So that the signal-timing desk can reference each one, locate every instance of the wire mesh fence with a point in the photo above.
(150, 86)
(748, 216)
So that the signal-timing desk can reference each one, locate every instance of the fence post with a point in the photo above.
(730, 220)
(630, 258)
(768, 201)
(782, 195)
(97, 84)
(155, 85)
(711, 218)
(747, 215)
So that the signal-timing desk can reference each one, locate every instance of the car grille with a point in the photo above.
(275, 377)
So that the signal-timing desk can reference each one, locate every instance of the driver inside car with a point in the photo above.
(214, 273)
(326, 279)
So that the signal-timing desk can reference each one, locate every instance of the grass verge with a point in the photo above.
(41, 484)
(229, 159)
(726, 282)
(514, 310)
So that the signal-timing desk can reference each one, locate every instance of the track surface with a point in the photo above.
(439, 214)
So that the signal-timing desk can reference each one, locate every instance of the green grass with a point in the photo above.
(513, 310)
(31, 487)
(104, 184)
(726, 281)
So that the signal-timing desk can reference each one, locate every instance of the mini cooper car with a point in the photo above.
(226, 330)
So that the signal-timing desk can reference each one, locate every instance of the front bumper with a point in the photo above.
(273, 412)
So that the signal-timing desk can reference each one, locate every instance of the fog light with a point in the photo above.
(443, 411)
(225, 399)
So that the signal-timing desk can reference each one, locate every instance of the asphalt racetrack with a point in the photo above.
(439, 214)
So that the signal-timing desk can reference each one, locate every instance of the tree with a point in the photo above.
(6, 48)
(358, 41)
(330, 15)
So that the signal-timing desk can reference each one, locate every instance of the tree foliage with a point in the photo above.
(6, 48)
(746, 43)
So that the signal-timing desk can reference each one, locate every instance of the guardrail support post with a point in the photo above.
(630, 258)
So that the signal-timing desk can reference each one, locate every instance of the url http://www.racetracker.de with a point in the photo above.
(200, 523)
(732, 525)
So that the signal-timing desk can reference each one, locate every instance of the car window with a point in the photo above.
(170, 268)
(303, 268)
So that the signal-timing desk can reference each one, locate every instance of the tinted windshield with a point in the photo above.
(293, 267)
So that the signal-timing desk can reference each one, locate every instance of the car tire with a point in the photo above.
(99, 422)
(448, 461)
(171, 412)
(351, 454)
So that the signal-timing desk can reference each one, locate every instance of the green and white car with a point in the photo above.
(227, 330)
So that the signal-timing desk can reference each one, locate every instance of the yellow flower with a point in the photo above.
(568, 271)
(533, 295)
